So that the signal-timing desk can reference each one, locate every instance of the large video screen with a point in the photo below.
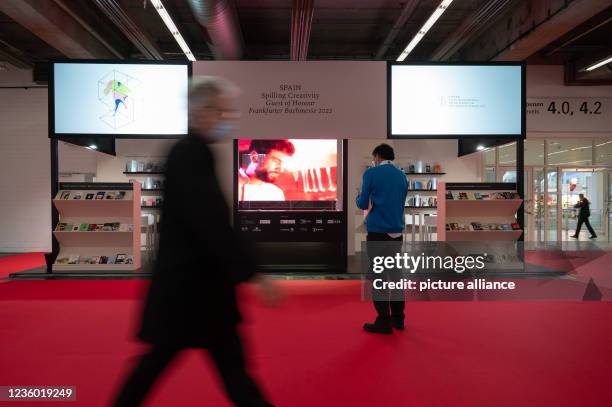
(287, 174)
(120, 99)
(449, 100)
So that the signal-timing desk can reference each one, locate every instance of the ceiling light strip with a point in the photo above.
(599, 64)
(161, 10)
(426, 27)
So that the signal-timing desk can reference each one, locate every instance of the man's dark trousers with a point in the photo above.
(388, 303)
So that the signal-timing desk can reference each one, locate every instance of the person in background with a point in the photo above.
(384, 190)
(191, 302)
(584, 212)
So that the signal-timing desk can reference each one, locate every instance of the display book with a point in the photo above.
(98, 228)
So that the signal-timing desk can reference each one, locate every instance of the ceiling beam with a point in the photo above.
(301, 25)
(14, 57)
(476, 23)
(52, 24)
(399, 24)
(528, 27)
(130, 28)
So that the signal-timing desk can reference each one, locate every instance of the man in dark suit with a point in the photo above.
(191, 302)
(584, 211)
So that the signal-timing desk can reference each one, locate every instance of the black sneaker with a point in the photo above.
(574, 236)
(593, 237)
(398, 323)
(380, 326)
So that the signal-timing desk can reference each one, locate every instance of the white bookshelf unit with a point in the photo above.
(99, 231)
(496, 216)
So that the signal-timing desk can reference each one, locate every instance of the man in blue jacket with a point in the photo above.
(383, 192)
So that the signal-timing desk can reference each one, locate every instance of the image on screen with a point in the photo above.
(456, 100)
(119, 99)
(287, 173)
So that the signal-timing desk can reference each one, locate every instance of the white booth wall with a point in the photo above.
(25, 225)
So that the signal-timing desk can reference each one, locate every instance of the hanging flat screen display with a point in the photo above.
(287, 174)
(119, 99)
(456, 100)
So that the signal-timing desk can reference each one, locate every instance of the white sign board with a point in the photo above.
(569, 114)
(314, 99)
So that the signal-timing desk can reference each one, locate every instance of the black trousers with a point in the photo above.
(227, 355)
(586, 222)
(388, 303)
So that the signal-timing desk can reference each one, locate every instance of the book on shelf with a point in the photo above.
(109, 195)
(120, 258)
(62, 260)
(77, 195)
(73, 259)
(100, 195)
(84, 227)
(476, 226)
(515, 226)
(65, 195)
(125, 227)
(89, 196)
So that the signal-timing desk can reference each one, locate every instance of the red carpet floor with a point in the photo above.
(311, 351)
(19, 262)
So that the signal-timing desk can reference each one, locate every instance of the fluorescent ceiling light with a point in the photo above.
(599, 64)
(161, 10)
(428, 24)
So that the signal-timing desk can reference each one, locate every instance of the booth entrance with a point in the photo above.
(551, 193)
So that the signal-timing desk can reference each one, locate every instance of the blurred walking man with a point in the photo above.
(191, 302)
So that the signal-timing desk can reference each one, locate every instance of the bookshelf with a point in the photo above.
(487, 219)
(99, 231)
(483, 220)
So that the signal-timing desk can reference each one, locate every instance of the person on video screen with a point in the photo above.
(267, 157)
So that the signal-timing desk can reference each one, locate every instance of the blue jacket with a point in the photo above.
(386, 187)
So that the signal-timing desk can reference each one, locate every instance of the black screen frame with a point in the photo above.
(390, 135)
(51, 97)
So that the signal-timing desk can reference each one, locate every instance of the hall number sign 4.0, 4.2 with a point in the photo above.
(569, 114)
(568, 107)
